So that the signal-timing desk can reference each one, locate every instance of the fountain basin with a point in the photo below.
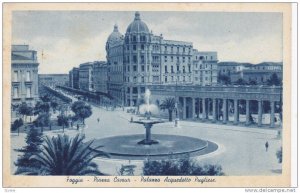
(128, 147)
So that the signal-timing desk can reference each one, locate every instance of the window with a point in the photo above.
(172, 69)
(183, 49)
(134, 38)
(143, 38)
(189, 69)
(166, 69)
(177, 68)
(166, 48)
(134, 79)
(177, 59)
(172, 77)
(128, 68)
(177, 49)
(16, 92)
(28, 92)
(143, 79)
(166, 79)
(16, 76)
(155, 78)
(134, 47)
(183, 59)
(134, 68)
(148, 67)
(189, 59)
(171, 58)
(166, 59)
(172, 49)
(183, 78)
(134, 59)
(142, 47)
(142, 59)
(183, 69)
(143, 68)
(134, 90)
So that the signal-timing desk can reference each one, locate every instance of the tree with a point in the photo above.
(16, 125)
(24, 110)
(241, 81)
(41, 107)
(42, 120)
(274, 80)
(81, 110)
(24, 164)
(224, 79)
(279, 155)
(168, 104)
(63, 156)
(45, 98)
(252, 82)
(180, 167)
(54, 105)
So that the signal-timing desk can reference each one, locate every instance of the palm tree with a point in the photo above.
(63, 156)
(168, 104)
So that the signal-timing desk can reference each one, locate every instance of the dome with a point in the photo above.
(137, 26)
(115, 35)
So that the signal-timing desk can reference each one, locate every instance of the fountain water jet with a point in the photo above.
(148, 109)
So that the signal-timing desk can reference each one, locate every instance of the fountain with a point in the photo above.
(142, 146)
(147, 109)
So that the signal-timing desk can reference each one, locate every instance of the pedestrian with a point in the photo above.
(267, 146)
(98, 120)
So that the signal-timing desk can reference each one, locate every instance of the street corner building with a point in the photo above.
(24, 75)
(140, 59)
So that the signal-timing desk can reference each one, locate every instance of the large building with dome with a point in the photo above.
(139, 59)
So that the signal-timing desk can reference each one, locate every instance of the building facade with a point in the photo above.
(115, 60)
(24, 75)
(74, 78)
(86, 76)
(258, 73)
(53, 80)
(100, 77)
(141, 58)
(205, 68)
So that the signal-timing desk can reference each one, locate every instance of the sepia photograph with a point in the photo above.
(122, 96)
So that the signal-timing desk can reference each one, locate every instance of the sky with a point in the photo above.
(69, 38)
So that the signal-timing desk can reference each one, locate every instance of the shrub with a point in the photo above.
(180, 167)
(17, 123)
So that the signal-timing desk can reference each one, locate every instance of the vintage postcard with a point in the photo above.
(146, 95)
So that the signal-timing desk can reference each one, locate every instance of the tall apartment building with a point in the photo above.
(147, 59)
(205, 68)
(74, 78)
(24, 75)
(114, 50)
(100, 77)
(86, 76)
